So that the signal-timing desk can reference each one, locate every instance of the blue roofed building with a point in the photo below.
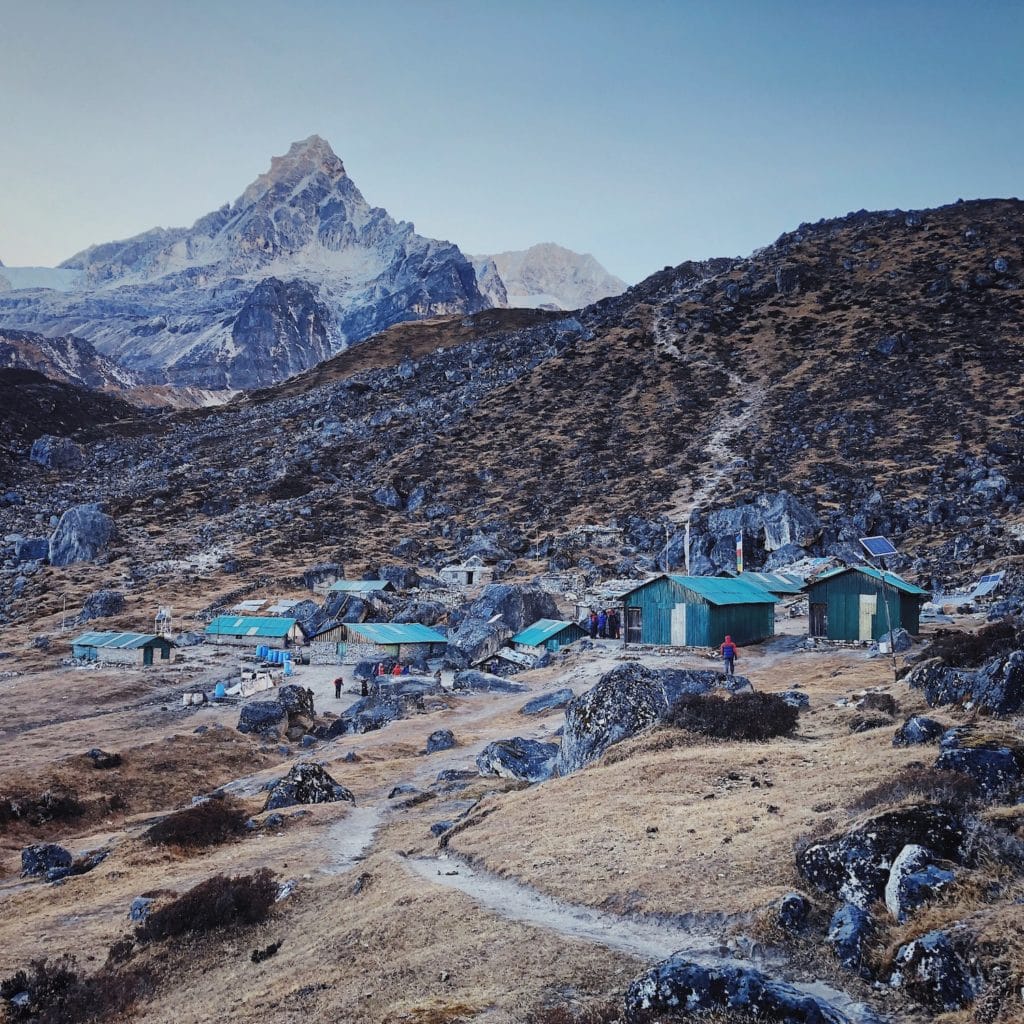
(254, 630)
(142, 649)
(860, 602)
(547, 634)
(351, 642)
(697, 611)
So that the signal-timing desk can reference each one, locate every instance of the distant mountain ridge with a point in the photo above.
(299, 267)
(546, 276)
(65, 358)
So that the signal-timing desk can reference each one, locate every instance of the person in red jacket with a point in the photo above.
(728, 651)
(397, 670)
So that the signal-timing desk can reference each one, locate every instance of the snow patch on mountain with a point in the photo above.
(551, 276)
(298, 268)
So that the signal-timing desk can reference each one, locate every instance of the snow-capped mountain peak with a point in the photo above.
(295, 269)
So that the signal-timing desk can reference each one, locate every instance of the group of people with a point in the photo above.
(604, 624)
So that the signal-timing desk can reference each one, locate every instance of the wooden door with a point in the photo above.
(819, 620)
(634, 626)
(868, 607)
(678, 626)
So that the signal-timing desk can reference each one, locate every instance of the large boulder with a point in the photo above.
(31, 549)
(518, 758)
(855, 866)
(914, 880)
(473, 641)
(307, 783)
(996, 687)
(849, 933)
(81, 535)
(263, 717)
(440, 739)
(918, 729)
(939, 970)
(679, 987)
(41, 858)
(323, 573)
(624, 702)
(401, 577)
(428, 613)
(516, 605)
(367, 715)
(471, 679)
(102, 604)
(56, 453)
(995, 769)
(547, 702)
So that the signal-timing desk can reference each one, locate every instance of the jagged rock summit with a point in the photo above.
(546, 276)
(296, 269)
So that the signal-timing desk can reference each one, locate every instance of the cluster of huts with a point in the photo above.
(845, 603)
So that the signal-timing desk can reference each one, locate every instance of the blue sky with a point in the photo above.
(645, 133)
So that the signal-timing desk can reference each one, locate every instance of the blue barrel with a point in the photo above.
(275, 657)
(220, 690)
(287, 668)
(261, 651)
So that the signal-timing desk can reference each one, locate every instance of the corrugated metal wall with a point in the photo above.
(842, 596)
(706, 625)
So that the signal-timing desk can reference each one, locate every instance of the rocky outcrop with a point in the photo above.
(996, 769)
(554, 701)
(440, 739)
(42, 858)
(264, 717)
(306, 783)
(914, 880)
(679, 986)
(624, 702)
(996, 687)
(518, 758)
(939, 970)
(486, 682)
(102, 605)
(855, 866)
(849, 933)
(918, 729)
(82, 535)
(56, 453)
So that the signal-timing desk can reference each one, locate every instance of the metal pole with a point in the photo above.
(888, 619)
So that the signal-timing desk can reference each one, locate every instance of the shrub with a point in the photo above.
(57, 994)
(745, 716)
(917, 782)
(207, 824)
(50, 805)
(219, 902)
(969, 650)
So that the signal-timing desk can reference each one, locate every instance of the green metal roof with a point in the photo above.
(722, 590)
(360, 586)
(249, 625)
(121, 641)
(774, 583)
(395, 632)
(541, 631)
(876, 574)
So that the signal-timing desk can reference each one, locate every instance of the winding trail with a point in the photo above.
(647, 939)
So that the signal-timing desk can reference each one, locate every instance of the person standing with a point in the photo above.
(728, 652)
(337, 688)
(613, 624)
(593, 625)
(602, 624)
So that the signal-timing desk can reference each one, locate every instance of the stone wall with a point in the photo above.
(323, 652)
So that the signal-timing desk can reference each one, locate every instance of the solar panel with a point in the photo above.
(877, 547)
(988, 583)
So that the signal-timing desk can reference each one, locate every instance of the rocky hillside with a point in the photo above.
(547, 276)
(859, 375)
(64, 358)
(297, 268)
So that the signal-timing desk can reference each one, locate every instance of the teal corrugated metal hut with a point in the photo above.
(549, 633)
(698, 611)
(121, 648)
(267, 629)
(777, 583)
(848, 603)
(360, 586)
